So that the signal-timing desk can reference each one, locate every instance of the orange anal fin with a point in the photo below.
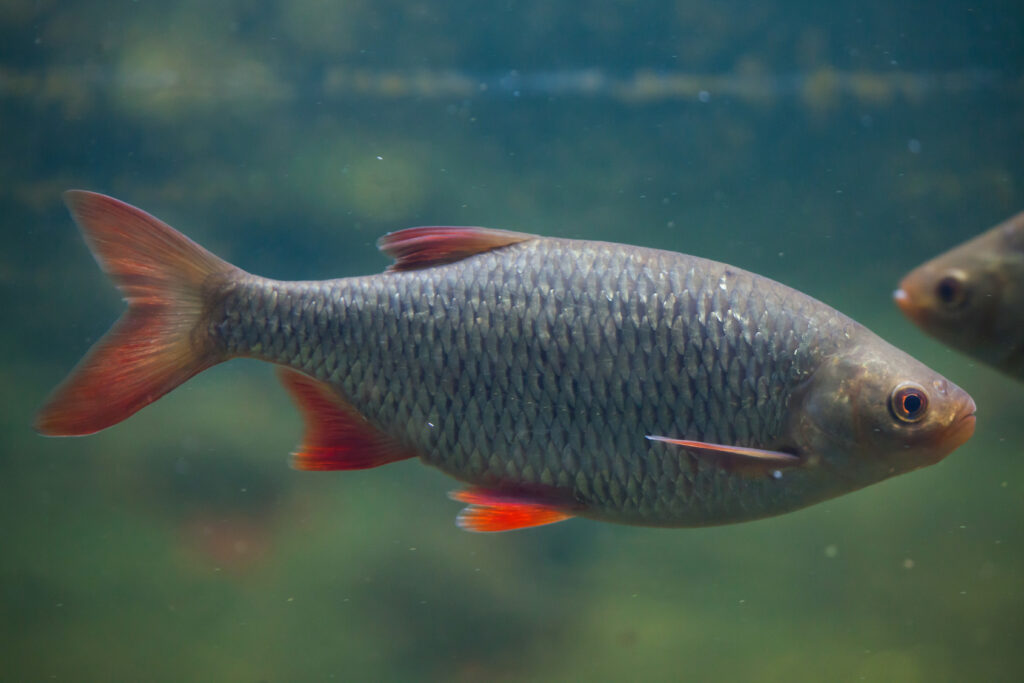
(427, 246)
(337, 437)
(490, 511)
(775, 458)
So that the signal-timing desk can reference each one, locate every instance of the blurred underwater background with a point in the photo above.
(830, 146)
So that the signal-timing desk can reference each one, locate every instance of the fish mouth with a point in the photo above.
(956, 434)
(905, 302)
(960, 431)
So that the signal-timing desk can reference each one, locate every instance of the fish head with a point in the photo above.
(871, 411)
(969, 297)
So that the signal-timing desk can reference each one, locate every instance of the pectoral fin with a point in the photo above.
(774, 458)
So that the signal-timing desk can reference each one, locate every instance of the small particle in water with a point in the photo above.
(380, 158)
(914, 145)
(704, 96)
(777, 474)
(291, 599)
(430, 424)
(908, 563)
(831, 551)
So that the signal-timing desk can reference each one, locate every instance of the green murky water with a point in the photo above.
(830, 146)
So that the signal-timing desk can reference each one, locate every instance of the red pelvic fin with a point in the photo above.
(337, 437)
(775, 458)
(490, 511)
(423, 247)
(158, 343)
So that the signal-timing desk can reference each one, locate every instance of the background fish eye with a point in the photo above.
(908, 402)
(951, 290)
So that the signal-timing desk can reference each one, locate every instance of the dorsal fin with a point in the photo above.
(434, 245)
(337, 437)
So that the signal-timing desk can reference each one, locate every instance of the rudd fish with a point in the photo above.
(556, 377)
(972, 297)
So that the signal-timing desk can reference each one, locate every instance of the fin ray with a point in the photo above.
(156, 344)
(758, 454)
(491, 511)
(337, 436)
(426, 246)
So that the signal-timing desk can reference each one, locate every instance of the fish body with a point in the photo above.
(972, 297)
(556, 377)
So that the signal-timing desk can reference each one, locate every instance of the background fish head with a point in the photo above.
(870, 412)
(972, 296)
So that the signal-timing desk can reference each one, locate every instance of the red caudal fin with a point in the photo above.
(490, 511)
(159, 342)
(337, 436)
(423, 247)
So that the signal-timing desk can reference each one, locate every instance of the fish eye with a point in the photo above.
(951, 290)
(908, 402)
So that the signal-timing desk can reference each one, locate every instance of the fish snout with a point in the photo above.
(904, 298)
(960, 428)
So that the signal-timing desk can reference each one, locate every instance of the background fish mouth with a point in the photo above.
(905, 302)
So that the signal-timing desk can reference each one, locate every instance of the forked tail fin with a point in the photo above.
(160, 341)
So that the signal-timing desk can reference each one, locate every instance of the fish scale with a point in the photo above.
(545, 348)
